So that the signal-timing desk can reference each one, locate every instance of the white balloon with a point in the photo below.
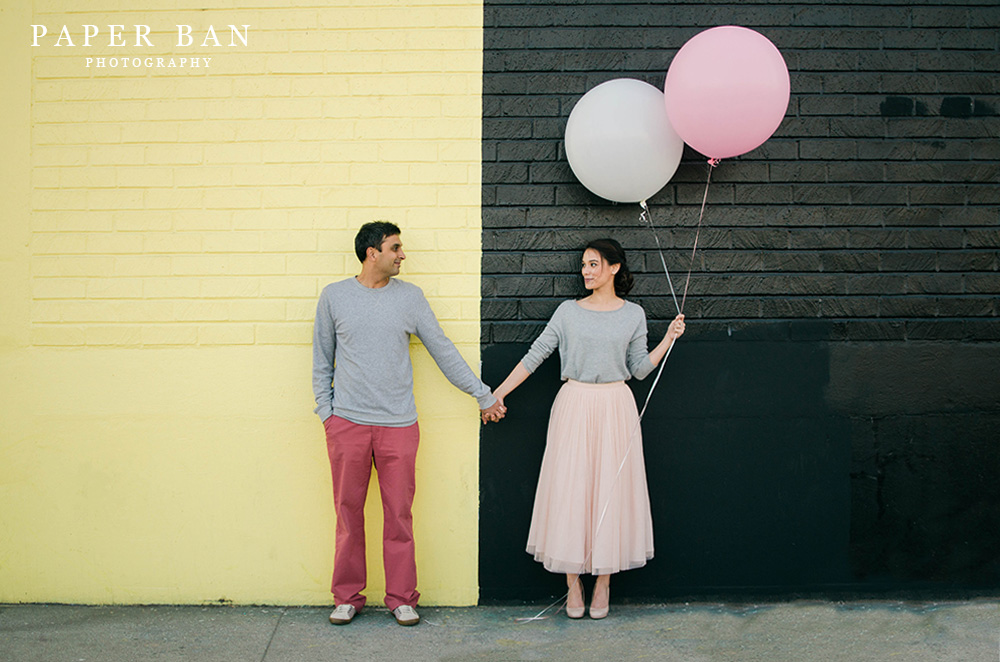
(620, 143)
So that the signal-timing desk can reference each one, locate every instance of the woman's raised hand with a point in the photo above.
(676, 328)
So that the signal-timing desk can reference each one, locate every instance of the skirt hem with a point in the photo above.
(575, 568)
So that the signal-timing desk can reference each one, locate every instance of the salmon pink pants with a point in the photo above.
(353, 449)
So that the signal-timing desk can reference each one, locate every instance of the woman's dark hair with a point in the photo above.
(371, 235)
(613, 253)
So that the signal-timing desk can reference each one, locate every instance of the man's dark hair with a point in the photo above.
(371, 235)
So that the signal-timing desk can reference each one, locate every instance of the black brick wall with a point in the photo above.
(863, 234)
(876, 199)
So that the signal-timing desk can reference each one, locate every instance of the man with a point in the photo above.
(363, 383)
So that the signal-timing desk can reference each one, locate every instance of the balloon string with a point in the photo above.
(704, 199)
(647, 217)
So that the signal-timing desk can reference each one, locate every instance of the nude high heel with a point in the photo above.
(575, 612)
(602, 612)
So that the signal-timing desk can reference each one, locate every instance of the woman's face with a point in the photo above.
(597, 273)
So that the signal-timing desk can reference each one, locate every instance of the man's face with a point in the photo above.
(391, 256)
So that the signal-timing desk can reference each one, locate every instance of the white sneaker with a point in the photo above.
(406, 615)
(343, 614)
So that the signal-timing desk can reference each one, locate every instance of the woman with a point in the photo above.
(591, 512)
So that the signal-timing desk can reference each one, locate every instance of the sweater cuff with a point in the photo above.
(324, 411)
(486, 401)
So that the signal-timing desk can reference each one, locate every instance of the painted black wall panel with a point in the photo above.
(831, 421)
(769, 475)
(924, 509)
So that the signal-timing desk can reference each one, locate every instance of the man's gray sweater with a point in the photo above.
(361, 353)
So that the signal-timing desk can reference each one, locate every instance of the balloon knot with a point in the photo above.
(713, 162)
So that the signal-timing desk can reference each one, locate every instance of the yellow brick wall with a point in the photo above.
(166, 234)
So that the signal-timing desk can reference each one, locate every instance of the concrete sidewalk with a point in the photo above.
(799, 631)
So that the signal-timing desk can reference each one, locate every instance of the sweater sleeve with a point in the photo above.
(544, 344)
(324, 351)
(447, 357)
(637, 357)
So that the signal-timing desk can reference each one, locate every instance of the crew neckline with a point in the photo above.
(371, 289)
(590, 310)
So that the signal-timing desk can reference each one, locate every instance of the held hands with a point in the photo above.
(676, 328)
(493, 413)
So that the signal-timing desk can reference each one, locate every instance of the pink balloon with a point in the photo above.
(726, 91)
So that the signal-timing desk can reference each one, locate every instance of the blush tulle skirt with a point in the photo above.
(591, 512)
